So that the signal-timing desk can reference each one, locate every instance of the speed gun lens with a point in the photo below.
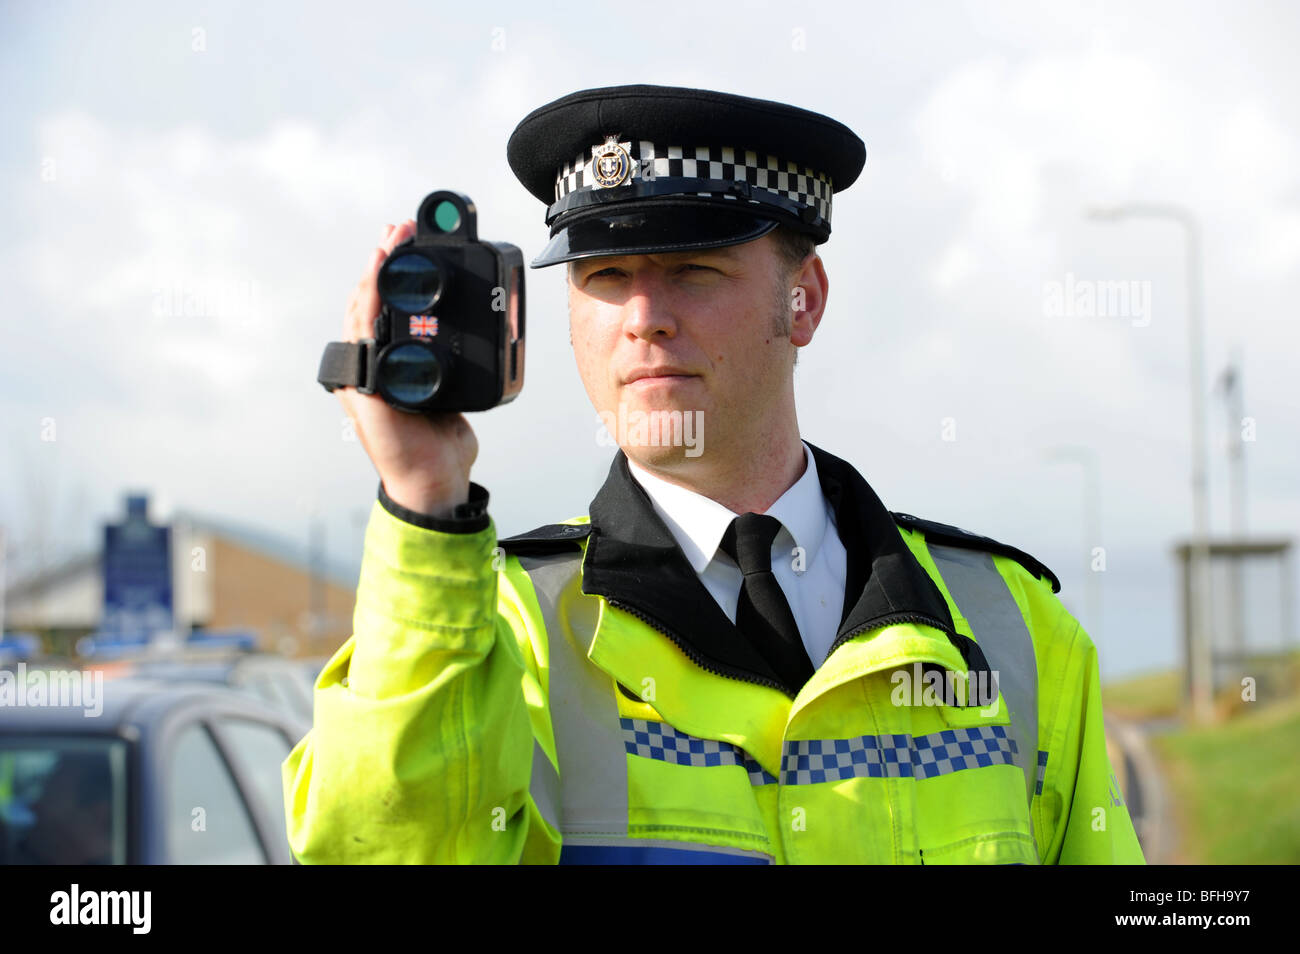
(411, 283)
(411, 373)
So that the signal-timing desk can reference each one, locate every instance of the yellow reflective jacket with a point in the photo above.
(576, 695)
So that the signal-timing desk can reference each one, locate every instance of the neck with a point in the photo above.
(747, 480)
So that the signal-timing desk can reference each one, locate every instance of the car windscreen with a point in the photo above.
(62, 800)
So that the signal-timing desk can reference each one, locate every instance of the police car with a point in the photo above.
(154, 773)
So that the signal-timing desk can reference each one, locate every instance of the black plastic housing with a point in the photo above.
(479, 314)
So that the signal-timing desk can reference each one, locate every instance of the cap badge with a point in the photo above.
(610, 164)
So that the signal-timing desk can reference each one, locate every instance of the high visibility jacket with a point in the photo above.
(576, 695)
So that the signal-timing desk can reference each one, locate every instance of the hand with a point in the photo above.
(423, 461)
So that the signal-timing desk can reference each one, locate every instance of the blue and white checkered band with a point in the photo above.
(658, 740)
(740, 175)
(897, 756)
(813, 761)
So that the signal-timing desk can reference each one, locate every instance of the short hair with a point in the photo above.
(793, 247)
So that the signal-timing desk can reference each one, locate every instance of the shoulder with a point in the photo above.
(947, 535)
(551, 538)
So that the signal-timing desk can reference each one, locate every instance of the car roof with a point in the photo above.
(215, 670)
(176, 669)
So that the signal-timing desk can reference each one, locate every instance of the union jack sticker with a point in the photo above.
(423, 326)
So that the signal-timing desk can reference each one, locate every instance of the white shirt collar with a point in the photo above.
(698, 523)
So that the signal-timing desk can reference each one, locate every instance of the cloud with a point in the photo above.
(171, 286)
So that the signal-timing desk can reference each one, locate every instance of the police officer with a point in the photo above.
(739, 654)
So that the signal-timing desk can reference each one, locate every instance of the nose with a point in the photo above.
(647, 312)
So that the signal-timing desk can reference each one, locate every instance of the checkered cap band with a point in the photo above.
(896, 756)
(782, 178)
(658, 740)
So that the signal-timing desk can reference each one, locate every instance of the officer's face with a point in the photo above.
(711, 334)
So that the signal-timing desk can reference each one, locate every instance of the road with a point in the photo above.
(1143, 784)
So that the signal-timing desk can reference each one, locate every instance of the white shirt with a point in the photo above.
(808, 558)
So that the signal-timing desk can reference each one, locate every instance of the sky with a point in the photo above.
(191, 190)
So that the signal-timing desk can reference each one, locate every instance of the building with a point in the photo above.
(223, 577)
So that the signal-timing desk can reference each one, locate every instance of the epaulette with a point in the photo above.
(957, 537)
(552, 538)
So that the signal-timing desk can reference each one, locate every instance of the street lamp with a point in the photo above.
(1199, 569)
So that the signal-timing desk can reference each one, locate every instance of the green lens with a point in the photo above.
(446, 216)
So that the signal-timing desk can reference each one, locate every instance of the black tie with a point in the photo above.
(762, 615)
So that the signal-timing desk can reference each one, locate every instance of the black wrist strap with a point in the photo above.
(343, 365)
(469, 517)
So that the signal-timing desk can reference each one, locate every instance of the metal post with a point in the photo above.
(1199, 570)
(1232, 394)
(1200, 490)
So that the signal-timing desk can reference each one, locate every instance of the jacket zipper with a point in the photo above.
(889, 620)
(740, 675)
(695, 657)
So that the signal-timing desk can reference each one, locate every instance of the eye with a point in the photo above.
(610, 272)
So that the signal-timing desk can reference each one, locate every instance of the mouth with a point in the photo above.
(657, 375)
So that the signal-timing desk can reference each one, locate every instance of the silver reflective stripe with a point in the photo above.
(982, 597)
(584, 713)
(544, 785)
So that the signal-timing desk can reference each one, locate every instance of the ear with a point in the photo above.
(808, 300)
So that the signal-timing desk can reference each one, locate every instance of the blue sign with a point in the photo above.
(137, 576)
(222, 639)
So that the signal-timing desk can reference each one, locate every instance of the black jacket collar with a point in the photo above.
(634, 562)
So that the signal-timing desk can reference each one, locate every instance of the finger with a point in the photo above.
(367, 306)
(365, 309)
(401, 233)
(349, 316)
(384, 234)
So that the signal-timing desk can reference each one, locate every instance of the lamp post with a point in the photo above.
(1199, 562)
(1230, 384)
